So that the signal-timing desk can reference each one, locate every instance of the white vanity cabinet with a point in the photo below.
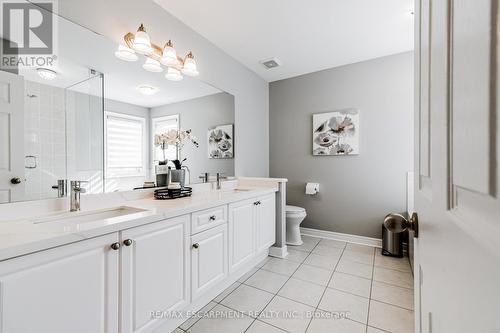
(72, 288)
(208, 259)
(251, 229)
(154, 272)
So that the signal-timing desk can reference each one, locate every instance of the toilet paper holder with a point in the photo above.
(312, 188)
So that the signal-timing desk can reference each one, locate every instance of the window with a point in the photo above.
(162, 125)
(125, 141)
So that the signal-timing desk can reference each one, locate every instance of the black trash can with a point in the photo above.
(392, 235)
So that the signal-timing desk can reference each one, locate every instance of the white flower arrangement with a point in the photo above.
(176, 138)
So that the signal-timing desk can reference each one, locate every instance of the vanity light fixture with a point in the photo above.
(126, 53)
(152, 65)
(156, 56)
(173, 74)
(45, 73)
(142, 42)
(147, 90)
(189, 67)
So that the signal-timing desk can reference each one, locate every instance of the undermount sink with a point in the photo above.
(90, 216)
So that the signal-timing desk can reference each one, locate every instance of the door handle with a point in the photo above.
(15, 180)
(196, 245)
(399, 223)
(127, 242)
(115, 246)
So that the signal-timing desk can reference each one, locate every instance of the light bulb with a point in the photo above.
(173, 74)
(152, 65)
(142, 43)
(169, 55)
(189, 67)
(125, 53)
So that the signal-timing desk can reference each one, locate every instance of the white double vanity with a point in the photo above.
(127, 262)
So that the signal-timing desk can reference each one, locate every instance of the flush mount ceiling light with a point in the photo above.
(271, 63)
(152, 65)
(47, 74)
(156, 56)
(147, 90)
(126, 53)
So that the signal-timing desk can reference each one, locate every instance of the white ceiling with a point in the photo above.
(80, 49)
(306, 36)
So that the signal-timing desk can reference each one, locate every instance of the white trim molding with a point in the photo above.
(342, 237)
(278, 252)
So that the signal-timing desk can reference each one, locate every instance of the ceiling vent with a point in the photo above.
(271, 63)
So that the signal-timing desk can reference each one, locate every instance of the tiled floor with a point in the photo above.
(319, 281)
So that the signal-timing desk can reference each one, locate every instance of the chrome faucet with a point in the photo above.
(219, 180)
(76, 189)
(205, 177)
(61, 188)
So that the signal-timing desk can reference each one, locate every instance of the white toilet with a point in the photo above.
(294, 217)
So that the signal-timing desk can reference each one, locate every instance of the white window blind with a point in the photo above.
(124, 145)
(163, 125)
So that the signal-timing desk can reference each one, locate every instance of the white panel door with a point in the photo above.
(11, 137)
(266, 222)
(72, 288)
(208, 259)
(154, 271)
(241, 233)
(457, 173)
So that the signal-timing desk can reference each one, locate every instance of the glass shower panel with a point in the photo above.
(85, 133)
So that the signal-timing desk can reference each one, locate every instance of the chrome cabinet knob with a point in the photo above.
(115, 246)
(15, 180)
(127, 242)
(196, 245)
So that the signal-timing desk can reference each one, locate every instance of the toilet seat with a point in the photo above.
(294, 209)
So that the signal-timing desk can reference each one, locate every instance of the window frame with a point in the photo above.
(154, 121)
(144, 161)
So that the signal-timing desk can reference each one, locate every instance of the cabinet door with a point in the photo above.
(71, 288)
(154, 272)
(241, 233)
(208, 259)
(266, 222)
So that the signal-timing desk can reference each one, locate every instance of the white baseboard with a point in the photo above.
(279, 252)
(342, 237)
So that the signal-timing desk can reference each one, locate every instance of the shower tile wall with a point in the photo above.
(44, 138)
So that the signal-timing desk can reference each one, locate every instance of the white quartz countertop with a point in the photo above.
(28, 235)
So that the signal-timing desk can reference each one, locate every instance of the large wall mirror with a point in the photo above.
(102, 120)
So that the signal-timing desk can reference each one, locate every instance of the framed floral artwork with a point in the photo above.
(336, 133)
(220, 142)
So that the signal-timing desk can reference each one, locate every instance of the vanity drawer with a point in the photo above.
(208, 218)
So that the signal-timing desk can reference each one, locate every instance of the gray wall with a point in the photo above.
(199, 115)
(356, 192)
(113, 18)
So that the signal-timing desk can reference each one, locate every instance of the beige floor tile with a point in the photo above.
(296, 255)
(263, 262)
(356, 256)
(226, 292)
(281, 266)
(390, 276)
(352, 284)
(267, 280)
(387, 293)
(355, 268)
(322, 323)
(332, 243)
(355, 306)
(248, 300)
(247, 275)
(327, 250)
(191, 321)
(302, 291)
(326, 262)
(261, 327)
(313, 274)
(374, 330)
(391, 318)
(222, 320)
(360, 248)
(400, 264)
(288, 315)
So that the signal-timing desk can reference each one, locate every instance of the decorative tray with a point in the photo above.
(167, 194)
